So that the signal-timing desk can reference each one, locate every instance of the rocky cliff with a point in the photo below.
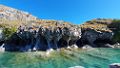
(8, 13)
(20, 31)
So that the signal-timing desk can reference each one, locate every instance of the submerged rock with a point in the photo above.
(77, 67)
(114, 65)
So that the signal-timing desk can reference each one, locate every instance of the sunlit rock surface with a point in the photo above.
(9, 13)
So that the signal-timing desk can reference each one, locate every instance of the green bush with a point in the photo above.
(8, 32)
(116, 37)
(115, 25)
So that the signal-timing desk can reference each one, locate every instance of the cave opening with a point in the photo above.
(62, 43)
(43, 43)
(102, 42)
(81, 42)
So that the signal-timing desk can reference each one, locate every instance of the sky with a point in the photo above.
(74, 11)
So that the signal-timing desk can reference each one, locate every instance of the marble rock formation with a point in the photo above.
(42, 39)
(49, 38)
(95, 38)
(71, 35)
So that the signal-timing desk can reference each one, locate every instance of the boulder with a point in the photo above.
(87, 47)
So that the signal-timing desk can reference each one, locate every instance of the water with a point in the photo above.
(93, 58)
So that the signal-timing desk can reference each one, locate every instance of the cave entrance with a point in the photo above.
(62, 43)
(102, 42)
(82, 42)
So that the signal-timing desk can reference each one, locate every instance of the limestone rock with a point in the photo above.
(9, 13)
(43, 39)
(92, 36)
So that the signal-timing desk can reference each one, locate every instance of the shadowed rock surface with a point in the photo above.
(96, 38)
(45, 38)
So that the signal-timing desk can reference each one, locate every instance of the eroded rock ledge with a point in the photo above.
(48, 38)
(43, 38)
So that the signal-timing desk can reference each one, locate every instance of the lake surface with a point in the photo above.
(92, 58)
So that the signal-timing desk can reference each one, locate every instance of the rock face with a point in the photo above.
(54, 38)
(14, 14)
(44, 39)
(20, 42)
(71, 35)
(93, 37)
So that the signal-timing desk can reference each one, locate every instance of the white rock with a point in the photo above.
(68, 47)
(2, 49)
(77, 67)
(86, 47)
(75, 46)
(48, 51)
(114, 65)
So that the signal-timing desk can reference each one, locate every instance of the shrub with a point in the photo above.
(115, 25)
(116, 37)
(8, 32)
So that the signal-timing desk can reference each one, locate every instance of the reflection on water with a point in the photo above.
(94, 58)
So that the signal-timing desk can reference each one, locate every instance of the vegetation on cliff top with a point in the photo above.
(97, 24)
(111, 25)
(116, 29)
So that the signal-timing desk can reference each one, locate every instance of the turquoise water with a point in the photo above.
(93, 58)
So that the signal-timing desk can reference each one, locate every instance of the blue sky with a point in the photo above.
(75, 11)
